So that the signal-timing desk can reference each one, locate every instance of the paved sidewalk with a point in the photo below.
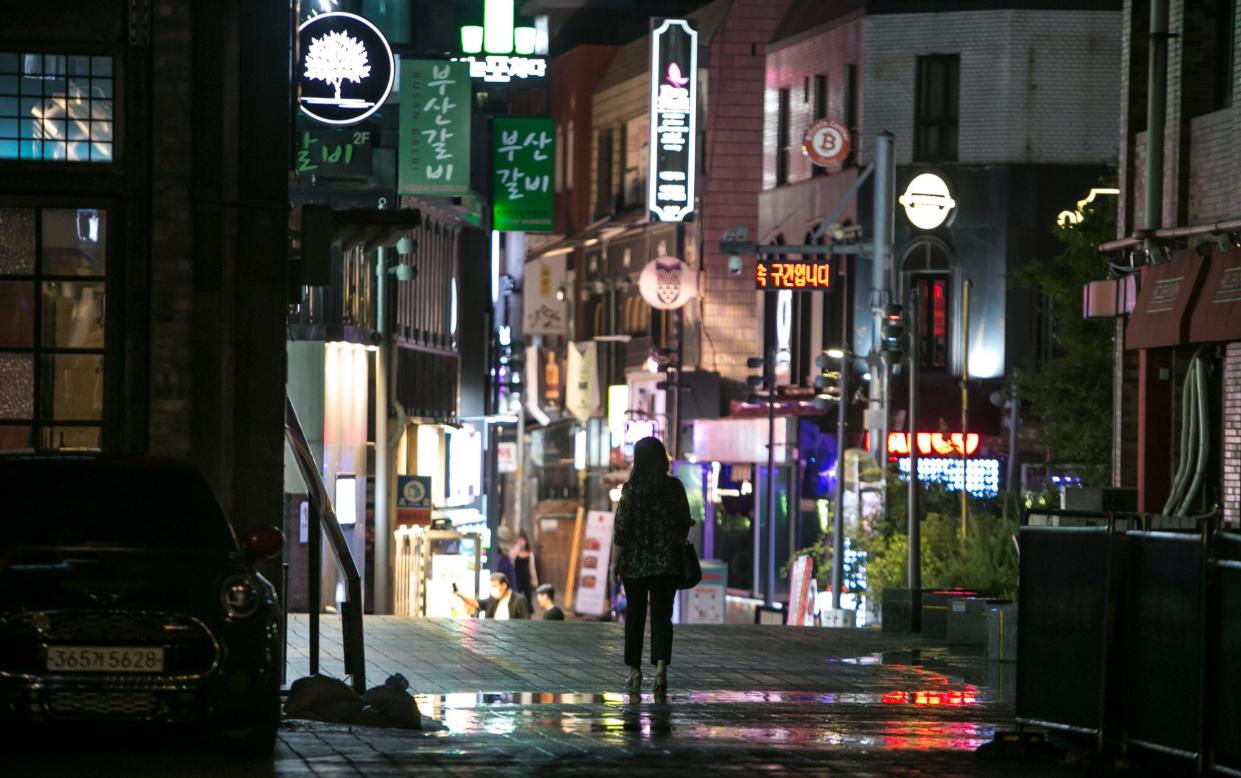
(544, 698)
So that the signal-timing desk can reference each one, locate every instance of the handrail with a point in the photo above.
(351, 610)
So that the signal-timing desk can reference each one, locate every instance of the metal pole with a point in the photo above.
(838, 504)
(881, 258)
(771, 480)
(914, 536)
(314, 574)
(965, 398)
(1013, 419)
(520, 496)
(1156, 110)
(382, 580)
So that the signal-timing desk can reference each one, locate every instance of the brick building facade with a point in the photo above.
(180, 179)
(1198, 214)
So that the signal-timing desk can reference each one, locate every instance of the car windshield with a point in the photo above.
(92, 503)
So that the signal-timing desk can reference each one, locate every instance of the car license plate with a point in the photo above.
(104, 659)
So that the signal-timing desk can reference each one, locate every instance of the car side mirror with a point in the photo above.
(264, 542)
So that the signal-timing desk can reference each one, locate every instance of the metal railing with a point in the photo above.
(322, 520)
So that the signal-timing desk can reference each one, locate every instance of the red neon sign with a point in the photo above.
(937, 444)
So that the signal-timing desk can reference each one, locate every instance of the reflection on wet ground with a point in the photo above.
(931, 706)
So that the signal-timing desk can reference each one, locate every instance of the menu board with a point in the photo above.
(596, 555)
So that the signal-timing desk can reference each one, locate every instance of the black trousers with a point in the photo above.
(661, 590)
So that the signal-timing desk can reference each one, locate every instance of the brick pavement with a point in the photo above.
(523, 698)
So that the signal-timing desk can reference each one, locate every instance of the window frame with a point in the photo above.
(947, 116)
(783, 133)
(43, 416)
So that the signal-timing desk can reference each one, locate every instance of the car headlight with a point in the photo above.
(239, 596)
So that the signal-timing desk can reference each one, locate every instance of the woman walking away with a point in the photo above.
(652, 522)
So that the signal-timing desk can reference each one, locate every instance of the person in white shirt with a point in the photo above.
(503, 604)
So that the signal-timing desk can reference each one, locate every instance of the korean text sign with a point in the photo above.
(523, 164)
(334, 152)
(673, 107)
(792, 275)
(434, 150)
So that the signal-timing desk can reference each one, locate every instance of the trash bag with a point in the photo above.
(321, 698)
(391, 705)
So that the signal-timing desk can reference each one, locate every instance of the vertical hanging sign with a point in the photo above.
(523, 161)
(674, 105)
(433, 156)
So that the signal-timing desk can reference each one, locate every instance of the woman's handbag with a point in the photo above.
(691, 571)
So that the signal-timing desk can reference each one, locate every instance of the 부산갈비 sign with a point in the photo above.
(523, 159)
(434, 151)
(674, 103)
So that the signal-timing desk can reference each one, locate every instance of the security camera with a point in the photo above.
(734, 265)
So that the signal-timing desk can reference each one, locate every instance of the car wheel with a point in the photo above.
(257, 737)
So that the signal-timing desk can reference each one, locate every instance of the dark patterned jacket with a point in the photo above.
(652, 522)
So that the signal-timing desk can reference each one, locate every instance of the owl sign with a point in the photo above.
(667, 283)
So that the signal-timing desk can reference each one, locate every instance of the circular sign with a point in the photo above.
(414, 492)
(667, 283)
(344, 68)
(826, 142)
(927, 201)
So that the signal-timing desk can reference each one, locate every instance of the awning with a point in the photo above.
(1161, 317)
(1217, 314)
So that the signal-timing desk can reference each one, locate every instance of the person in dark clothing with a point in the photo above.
(503, 555)
(526, 577)
(503, 604)
(546, 595)
(652, 523)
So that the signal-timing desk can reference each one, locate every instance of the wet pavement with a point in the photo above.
(519, 698)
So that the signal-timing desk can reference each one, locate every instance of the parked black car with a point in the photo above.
(124, 594)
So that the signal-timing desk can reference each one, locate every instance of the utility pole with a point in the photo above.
(965, 400)
(838, 502)
(914, 529)
(880, 293)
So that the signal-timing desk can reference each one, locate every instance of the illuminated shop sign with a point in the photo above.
(927, 201)
(499, 51)
(344, 68)
(667, 283)
(981, 476)
(792, 275)
(674, 104)
(933, 444)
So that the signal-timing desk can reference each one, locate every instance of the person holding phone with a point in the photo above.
(503, 604)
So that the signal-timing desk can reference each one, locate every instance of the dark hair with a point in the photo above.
(650, 461)
(501, 577)
(547, 589)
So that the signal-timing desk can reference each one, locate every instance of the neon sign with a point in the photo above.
(674, 106)
(792, 275)
(979, 477)
(932, 444)
(508, 48)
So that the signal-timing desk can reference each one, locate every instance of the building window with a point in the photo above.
(53, 263)
(927, 269)
(1225, 51)
(935, 134)
(603, 174)
(56, 107)
(851, 109)
(637, 158)
(820, 112)
(782, 139)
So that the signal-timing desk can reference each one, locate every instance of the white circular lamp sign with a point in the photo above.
(344, 68)
(667, 283)
(927, 201)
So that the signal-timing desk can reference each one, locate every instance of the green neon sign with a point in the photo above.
(498, 35)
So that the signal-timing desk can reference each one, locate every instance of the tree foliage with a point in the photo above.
(1070, 395)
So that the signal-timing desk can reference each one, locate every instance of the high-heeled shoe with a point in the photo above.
(635, 680)
(661, 677)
